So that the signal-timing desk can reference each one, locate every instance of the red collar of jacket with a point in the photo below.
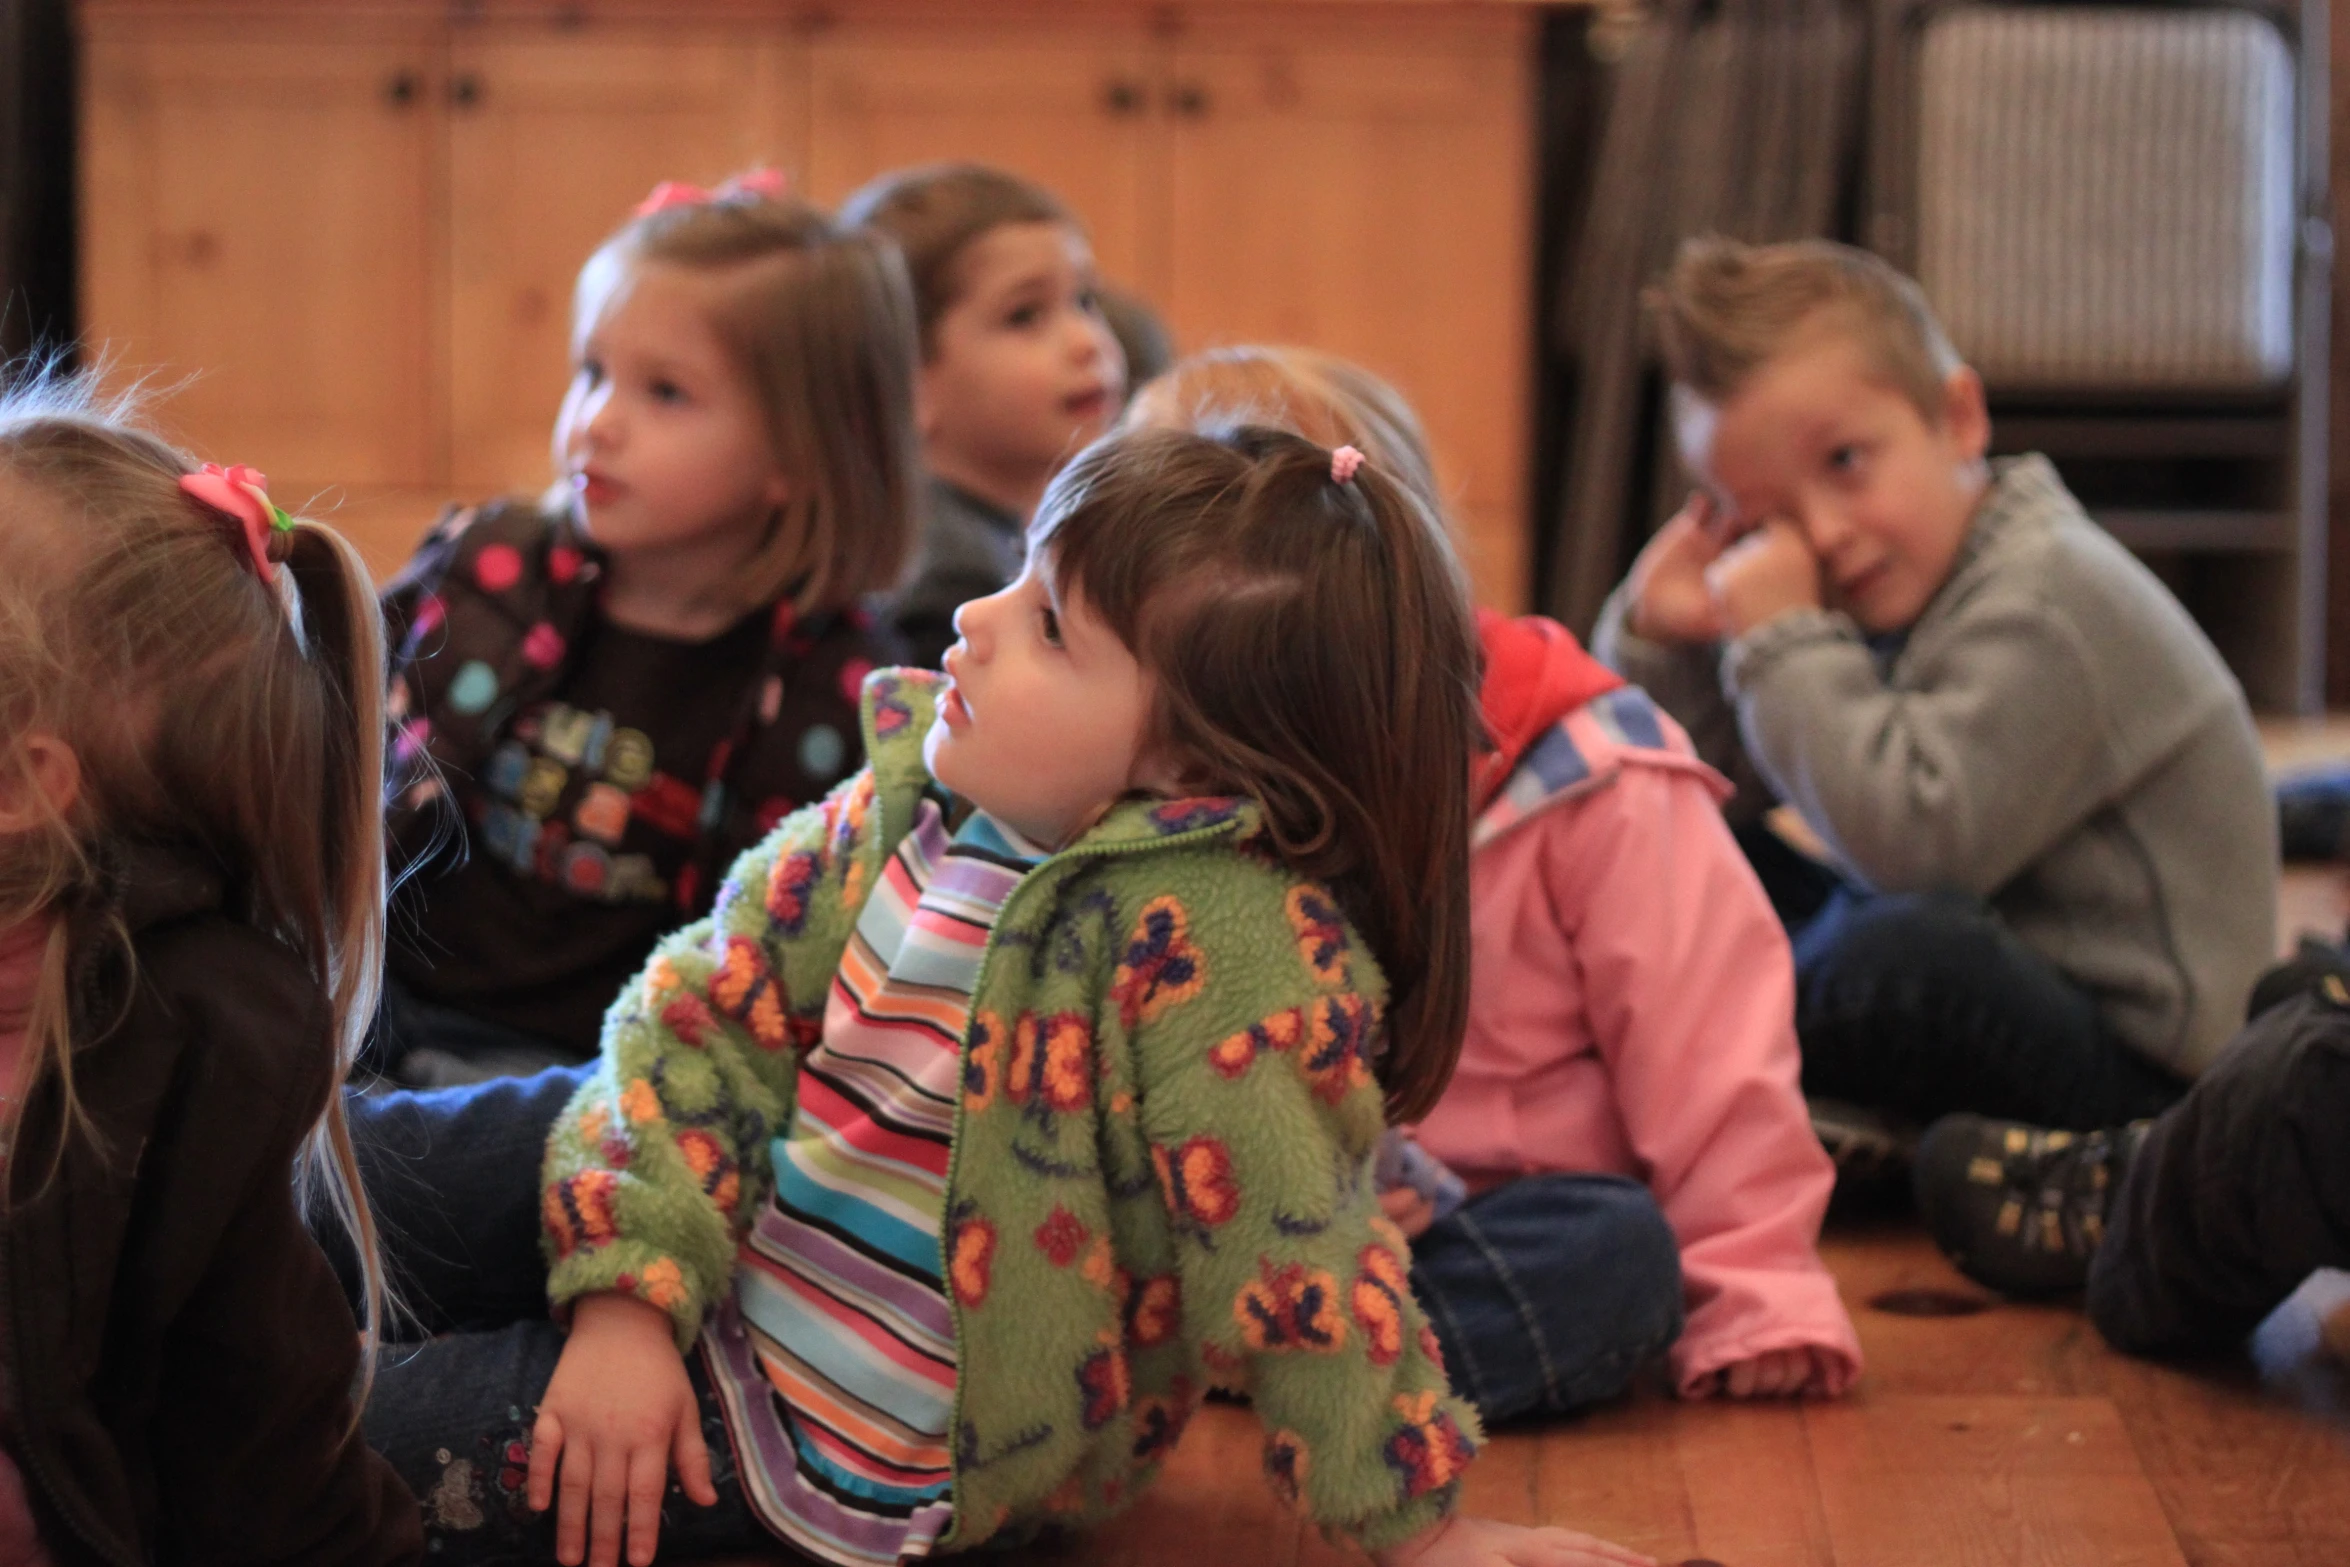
(1536, 673)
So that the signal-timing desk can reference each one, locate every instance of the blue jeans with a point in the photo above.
(423, 1044)
(453, 1178)
(1925, 1003)
(453, 1416)
(1549, 1294)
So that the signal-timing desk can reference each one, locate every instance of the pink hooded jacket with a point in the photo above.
(1633, 1003)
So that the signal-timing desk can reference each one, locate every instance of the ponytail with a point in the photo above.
(342, 630)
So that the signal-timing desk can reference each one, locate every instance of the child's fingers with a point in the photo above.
(692, 1457)
(571, 1503)
(607, 1507)
(546, 1451)
(1703, 513)
(1408, 1211)
(648, 1472)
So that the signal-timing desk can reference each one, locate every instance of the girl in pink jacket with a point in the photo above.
(1631, 1043)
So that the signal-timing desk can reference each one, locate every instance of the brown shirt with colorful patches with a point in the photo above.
(1161, 1171)
(593, 781)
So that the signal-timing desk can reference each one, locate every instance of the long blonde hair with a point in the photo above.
(207, 710)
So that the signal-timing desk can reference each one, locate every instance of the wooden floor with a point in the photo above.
(2007, 1438)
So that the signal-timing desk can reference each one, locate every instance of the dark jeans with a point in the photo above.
(454, 1417)
(453, 1178)
(423, 1044)
(2237, 1194)
(1549, 1293)
(1925, 1003)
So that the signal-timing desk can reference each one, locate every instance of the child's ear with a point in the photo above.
(1966, 413)
(1157, 772)
(1693, 420)
(46, 789)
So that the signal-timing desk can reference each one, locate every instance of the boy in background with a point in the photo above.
(1019, 369)
(2053, 853)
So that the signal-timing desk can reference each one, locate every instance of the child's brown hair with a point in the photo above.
(206, 708)
(1311, 648)
(1724, 308)
(936, 212)
(820, 319)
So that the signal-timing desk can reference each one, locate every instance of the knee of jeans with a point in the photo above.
(1910, 931)
(1650, 1263)
(1615, 1252)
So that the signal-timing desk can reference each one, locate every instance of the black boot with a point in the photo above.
(2020, 1208)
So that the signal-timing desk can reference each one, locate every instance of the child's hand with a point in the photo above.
(1775, 1373)
(1763, 576)
(1480, 1542)
(1670, 601)
(619, 1408)
(1408, 1211)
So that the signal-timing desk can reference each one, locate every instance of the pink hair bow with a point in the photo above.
(1343, 464)
(242, 493)
(770, 184)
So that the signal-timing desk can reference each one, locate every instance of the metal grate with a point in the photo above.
(2106, 197)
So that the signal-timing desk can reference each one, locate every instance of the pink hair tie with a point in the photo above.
(767, 184)
(242, 494)
(1344, 463)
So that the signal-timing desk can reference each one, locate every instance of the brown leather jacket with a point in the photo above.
(179, 1355)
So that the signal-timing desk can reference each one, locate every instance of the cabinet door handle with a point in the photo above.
(465, 90)
(1121, 96)
(1188, 99)
(402, 89)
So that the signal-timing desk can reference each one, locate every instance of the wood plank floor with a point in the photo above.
(2010, 1437)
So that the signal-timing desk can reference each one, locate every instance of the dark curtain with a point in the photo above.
(1740, 117)
(37, 307)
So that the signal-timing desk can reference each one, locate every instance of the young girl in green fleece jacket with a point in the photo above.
(1028, 1087)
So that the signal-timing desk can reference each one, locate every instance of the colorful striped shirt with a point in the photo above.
(836, 1357)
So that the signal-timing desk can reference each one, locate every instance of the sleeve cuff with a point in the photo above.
(1747, 659)
(625, 1267)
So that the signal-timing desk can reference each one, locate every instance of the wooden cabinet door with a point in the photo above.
(554, 137)
(1065, 102)
(1364, 186)
(258, 225)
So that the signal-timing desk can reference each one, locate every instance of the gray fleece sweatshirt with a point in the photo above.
(2054, 736)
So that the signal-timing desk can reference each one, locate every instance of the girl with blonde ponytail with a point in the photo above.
(191, 933)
